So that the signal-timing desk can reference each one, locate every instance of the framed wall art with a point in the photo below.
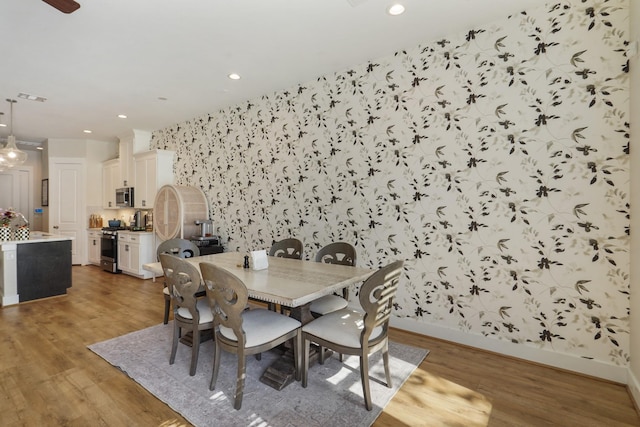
(45, 192)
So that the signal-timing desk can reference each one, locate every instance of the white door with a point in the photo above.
(67, 210)
(16, 189)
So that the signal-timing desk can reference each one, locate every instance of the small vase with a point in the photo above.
(5, 233)
(22, 233)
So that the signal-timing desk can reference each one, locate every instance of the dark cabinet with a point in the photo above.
(44, 269)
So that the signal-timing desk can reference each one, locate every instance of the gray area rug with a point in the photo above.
(333, 396)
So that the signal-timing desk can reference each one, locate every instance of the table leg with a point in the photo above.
(282, 371)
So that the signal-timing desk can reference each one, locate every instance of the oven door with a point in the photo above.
(109, 253)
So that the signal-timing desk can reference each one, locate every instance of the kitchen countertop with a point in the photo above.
(37, 236)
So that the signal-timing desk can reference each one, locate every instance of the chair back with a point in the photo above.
(228, 298)
(376, 298)
(337, 253)
(287, 248)
(179, 247)
(183, 280)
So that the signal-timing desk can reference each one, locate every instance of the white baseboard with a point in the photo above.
(10, 300)
(634, 388)
(594, 368)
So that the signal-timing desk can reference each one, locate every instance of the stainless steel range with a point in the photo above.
(109, 249)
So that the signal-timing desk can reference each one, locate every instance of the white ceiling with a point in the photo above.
(115, 57)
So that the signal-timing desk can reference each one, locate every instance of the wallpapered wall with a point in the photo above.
(495, 162)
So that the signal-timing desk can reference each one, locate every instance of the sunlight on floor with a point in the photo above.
(339, 376)
(173, 423)
(446, 402)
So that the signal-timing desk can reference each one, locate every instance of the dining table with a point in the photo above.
(288, 282)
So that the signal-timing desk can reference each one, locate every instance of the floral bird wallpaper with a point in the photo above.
(495, 162)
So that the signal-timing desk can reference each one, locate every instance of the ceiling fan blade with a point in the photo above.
(65, 6)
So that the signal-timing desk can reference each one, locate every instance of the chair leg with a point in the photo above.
(216, 364)
(305, 361)
(297, 347)
(321, 354)
(167, 308)
(174, 344)
(240, 381)
(195, 349)
(364, 377)
(385, 358)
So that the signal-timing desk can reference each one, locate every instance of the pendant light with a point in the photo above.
(10, 155)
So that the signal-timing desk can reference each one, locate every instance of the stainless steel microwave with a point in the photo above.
(124, 197)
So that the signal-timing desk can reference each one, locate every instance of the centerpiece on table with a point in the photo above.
(7, 218)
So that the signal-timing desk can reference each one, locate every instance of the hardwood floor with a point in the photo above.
(48, 377)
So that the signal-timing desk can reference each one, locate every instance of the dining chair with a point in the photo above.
(181, 248)
(341, 253)
(285, 248)
(189, 311)
(241, 331)
(358, 332)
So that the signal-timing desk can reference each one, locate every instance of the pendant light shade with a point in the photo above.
(10, 155)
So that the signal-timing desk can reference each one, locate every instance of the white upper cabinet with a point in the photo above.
(153, 169)
(136, 142)
(110, 181)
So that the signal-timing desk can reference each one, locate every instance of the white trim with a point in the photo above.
(634, 388)
(523, 351)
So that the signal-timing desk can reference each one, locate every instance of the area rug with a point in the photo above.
(333, 396)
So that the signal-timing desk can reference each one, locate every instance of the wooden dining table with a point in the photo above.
(289, 282)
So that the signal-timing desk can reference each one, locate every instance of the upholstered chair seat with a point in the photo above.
(342, 327)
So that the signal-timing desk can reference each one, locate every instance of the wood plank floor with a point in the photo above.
(49, 378)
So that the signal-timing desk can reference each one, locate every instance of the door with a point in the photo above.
(67, 210)
(16, 189)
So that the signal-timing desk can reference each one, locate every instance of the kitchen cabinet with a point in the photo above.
(135, 142)
(94, 246)
(110, 181)
(126, 163)
(153, 169)
(134, 250)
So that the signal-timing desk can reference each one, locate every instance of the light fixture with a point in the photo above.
(122, 116)
(234, 76)
(396, 9)
(11, 156)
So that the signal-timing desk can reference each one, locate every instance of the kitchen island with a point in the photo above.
(36, 268)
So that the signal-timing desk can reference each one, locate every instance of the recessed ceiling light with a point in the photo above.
(86, 131)
(234, 76)
(39, 148)
(396, 9)
(122, 116)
